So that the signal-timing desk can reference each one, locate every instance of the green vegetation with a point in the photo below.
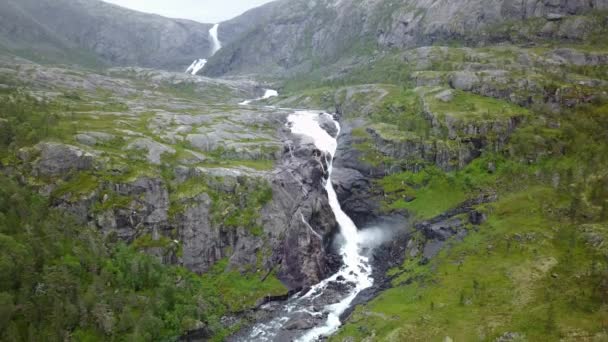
(241, 292)
(238, 207)
(402, 109)
(60, 280)
(471, 107)
(527, 270)
(64, 281)
(425, 194)
(381, 69)
(24, 121)
(535, 267)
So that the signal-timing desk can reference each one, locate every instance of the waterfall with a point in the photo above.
(353, 277)
(356, 268)
(196, 66)
(216, 44)
(200, 63)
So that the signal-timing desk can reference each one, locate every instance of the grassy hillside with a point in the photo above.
(536, 268)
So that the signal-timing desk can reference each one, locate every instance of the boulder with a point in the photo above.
(464, 80)
(445, 96)
(59, 159)
(301, 321)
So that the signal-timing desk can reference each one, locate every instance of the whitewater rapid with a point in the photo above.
(216, 45)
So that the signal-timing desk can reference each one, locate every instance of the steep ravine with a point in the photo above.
(382, 243)
(317, 311)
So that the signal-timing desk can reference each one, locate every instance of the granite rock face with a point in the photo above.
(297, 224)
(94, 29)
(58, 159)
(293, 33)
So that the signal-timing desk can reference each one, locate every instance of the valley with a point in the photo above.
(323, 170)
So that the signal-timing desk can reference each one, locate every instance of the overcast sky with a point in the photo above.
(206, 11)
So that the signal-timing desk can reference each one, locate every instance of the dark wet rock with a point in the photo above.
(328, 125)
(354, 193)
(300, 321)
(511, 337)
(432, 248)
(202, 244)
(202, 333)
(477, 218)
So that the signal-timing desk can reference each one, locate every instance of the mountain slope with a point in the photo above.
(301, 34)
(233, 29)
(113, 35)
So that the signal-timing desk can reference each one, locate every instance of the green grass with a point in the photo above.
(240, 291)
(432, 200)
(259, 164)
(424, 194)
(516, 274)
(535, 267)
(82, 183)
(431, 191)
(146, 241)
(472, 107)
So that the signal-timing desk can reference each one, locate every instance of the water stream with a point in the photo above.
(217, 45)
(352, 278)
(268, 93)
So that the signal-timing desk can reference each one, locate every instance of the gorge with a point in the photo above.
(323, 170)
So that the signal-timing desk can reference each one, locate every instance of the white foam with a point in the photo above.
(356, 267)
(268, 93)
(196, 66)
(216, 44)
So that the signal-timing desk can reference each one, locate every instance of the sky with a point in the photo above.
(206, 11)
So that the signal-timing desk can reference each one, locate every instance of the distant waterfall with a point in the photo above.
(199, 64)
(196, 66)
(214, 39)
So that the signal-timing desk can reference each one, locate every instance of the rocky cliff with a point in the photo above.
(297, 36)
(93, 32)
(186, 179)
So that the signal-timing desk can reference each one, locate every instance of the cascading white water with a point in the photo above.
(216, 45)
(268, 93)
(356, 268)
(196, 66)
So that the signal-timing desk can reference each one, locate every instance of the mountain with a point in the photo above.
(426, 170)
(297, 35)
(94, 32)
(233, 29)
